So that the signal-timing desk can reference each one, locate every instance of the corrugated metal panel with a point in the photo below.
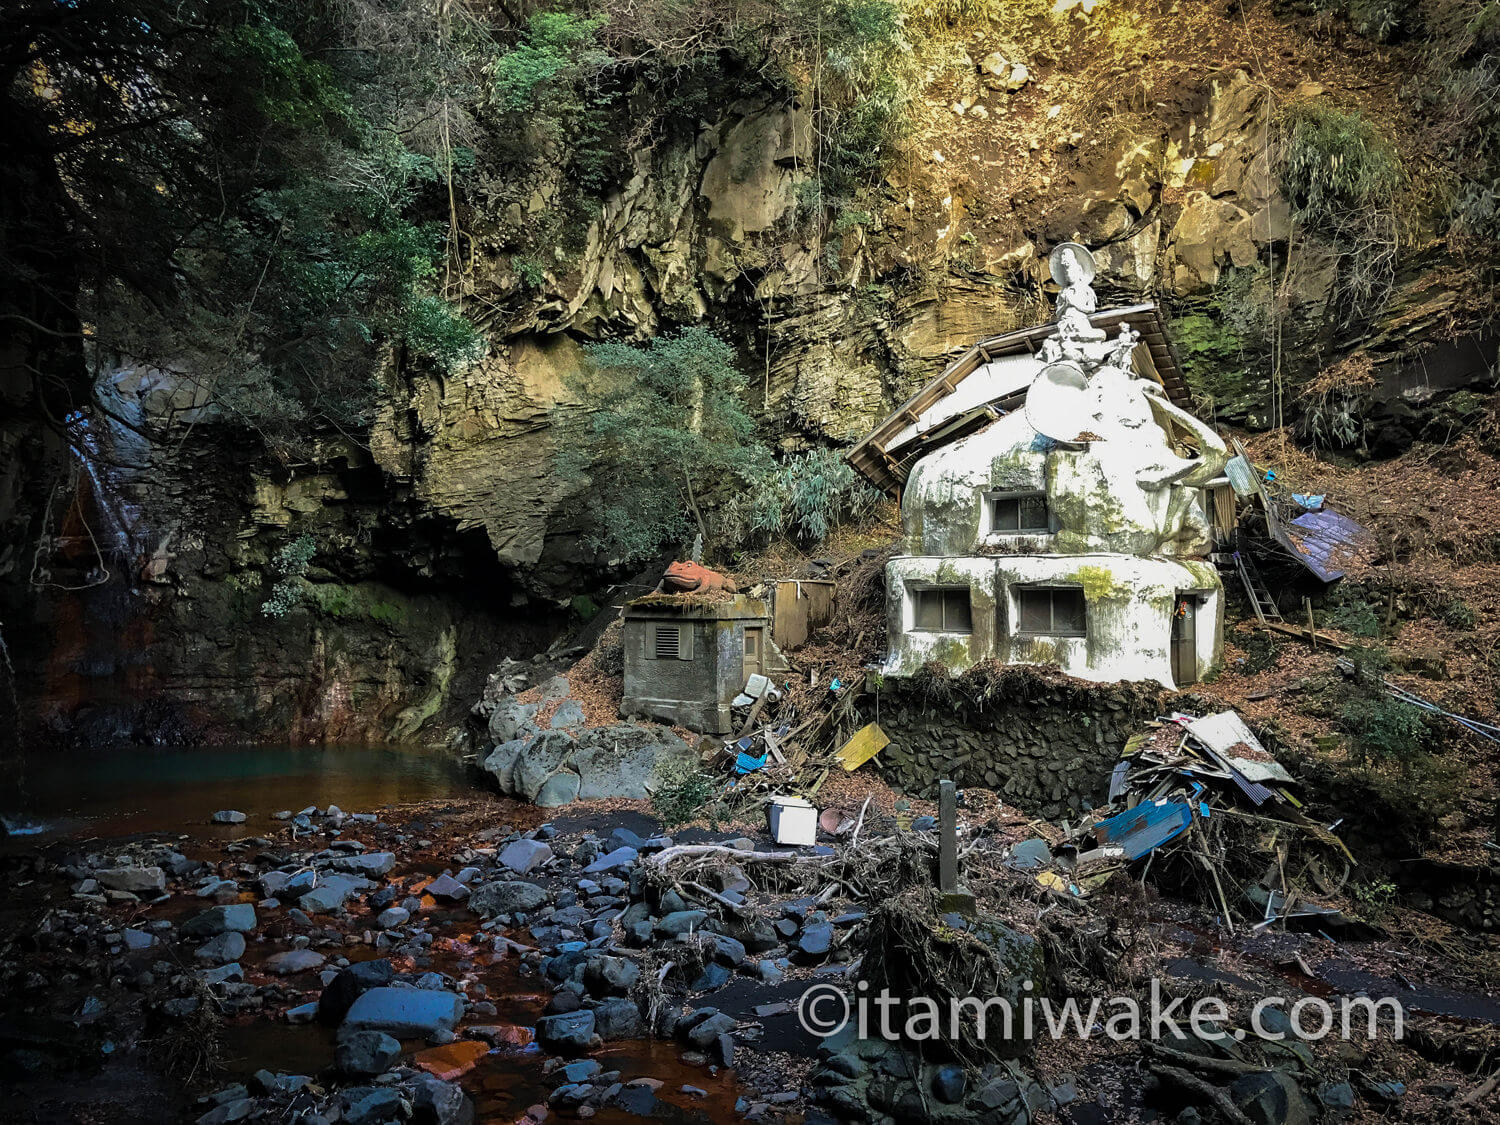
(1227, 736)
(1325, 542)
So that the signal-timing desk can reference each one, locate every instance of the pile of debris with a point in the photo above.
(1204, 790)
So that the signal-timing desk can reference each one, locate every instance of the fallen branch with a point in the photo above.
(1195, 1085)
(728, 903)
(689, 851)
(1228, 1067)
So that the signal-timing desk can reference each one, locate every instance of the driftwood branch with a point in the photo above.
(1195, 1085)
(697, 851)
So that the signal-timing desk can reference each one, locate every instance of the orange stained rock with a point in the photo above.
(452, 1060)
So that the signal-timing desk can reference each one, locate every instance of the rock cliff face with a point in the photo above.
(444, 538)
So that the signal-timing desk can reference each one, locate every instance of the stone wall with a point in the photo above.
(1045, 744)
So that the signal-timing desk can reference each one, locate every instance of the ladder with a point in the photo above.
(1259, 593)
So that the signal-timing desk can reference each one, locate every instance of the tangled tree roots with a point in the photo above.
(914, 952)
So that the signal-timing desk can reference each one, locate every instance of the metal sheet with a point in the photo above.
(1227, 736)
(1145, 827)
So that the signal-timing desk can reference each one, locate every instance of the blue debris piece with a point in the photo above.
(1145, 827)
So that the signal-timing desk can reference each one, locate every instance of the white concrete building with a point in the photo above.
(1072, 529)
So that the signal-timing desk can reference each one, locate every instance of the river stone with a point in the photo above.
(413, 1013)
(331, 893)
(1270, 1098)
(228, 816)
(294, 961)
(349, 985)
(703, 1033)
(395, 916)
(506, 898)
(566, 1032)
(618, 1018)
(369, 1105)
(365, 1054)
(620, 857)
(679, 922)
(949, 1084)
(605, 976)
(446, 887)
(436, 1102)
(522, 856)
(222, 949)
(370, 864)
(816, 939)
(137, 880)
(237, 916)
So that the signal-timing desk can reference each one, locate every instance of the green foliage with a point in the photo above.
(531, 274)
(1385, 729)
(666, 437)
(1335, 162)
(1376, 899)
(683, 794)
(1262, 651)
(803, 498)
(1458, 614)
(1349, 609)
(554, 46)
(337, 600)
(291, 562)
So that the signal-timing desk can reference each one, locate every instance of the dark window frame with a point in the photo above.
(947, 594)
(1052, 631)
(992, 502)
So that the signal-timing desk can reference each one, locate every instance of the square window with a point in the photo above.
(1057, 611)
(1021, 514)
(942, 610)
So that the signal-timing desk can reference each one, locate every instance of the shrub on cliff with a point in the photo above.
(664, 438)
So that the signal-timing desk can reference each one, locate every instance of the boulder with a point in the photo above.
(610, 976)
(237, 916)
(349, 985)
(436, 1102)
(331, 893)
(369, 1105)
(512, 720)
(294, 961)
(507, 897)
(1270, 1098)
(364, 1054)
(222, 949)
(568, 715)
(618, 1018)
(523, 856)
(136, 880)
(413, 1013)
(567, 1032)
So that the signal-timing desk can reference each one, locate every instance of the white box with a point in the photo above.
(793, 821)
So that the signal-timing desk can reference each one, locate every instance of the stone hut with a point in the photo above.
(1054, 506)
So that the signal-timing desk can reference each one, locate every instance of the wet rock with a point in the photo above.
(223, 974)
(370, 864)
(331, 893)
(222, 949)
(392, 917)
(704, 1032)
(816, 939)
(436, 1102)
(136, 940)
(365, 1054)
(413, 1013)
(524, 856)
(681, 922)
(566, 1032)
(949, 1084)
(446, 887)
(619, 1018)
(610, 976)
(1270, 1098)
(137, 880)
(349, 985)
(506, 898)
(238, 917)
(228, 816)
(369, 1105)
(612, 861)
(294, 961)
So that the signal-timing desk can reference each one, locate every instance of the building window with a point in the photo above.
(941, 611)
(1019, 514)
(671, 642)
(1055, 611)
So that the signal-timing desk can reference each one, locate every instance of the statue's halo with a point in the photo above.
(1080, 254)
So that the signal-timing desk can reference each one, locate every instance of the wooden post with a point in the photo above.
(1312, 633)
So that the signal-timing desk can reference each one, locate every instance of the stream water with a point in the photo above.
(131, 791)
